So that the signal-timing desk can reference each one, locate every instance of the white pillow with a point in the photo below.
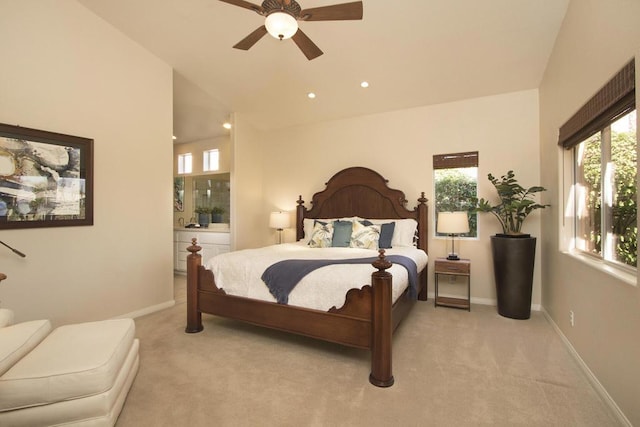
(18, 340)
(403, 233)
(6, 317)
(307, 225)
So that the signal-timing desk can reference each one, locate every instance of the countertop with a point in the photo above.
(213, 228)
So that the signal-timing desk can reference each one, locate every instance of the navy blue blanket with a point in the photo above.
(283, 276)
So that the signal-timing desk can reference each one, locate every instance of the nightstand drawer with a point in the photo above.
(445, 266)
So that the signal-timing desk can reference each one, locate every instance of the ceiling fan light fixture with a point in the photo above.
(281, 25)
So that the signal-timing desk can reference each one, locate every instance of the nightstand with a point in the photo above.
(447, 267)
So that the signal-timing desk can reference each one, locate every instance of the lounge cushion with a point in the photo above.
(18, 340)
(95, 411)
(6, 317)
(73, 362)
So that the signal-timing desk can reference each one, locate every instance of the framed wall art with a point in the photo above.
(46, 179)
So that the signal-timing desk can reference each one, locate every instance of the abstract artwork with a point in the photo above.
(178, 194)
(46, 179)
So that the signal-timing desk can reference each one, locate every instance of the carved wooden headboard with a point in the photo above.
(359, 191)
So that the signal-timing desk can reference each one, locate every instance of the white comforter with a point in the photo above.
(239, 273)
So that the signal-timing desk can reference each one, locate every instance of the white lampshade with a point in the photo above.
(453, 222)
(281, 25)
(279, 220)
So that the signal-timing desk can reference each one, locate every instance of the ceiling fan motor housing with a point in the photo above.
(291, 7)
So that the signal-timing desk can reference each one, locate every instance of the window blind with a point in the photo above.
(616, 98)
(455, 160)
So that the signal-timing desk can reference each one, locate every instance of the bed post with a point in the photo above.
(194, 317)
(381, 326)
(423, 243)
(300, 218)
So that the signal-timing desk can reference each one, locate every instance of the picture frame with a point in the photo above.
(46, 179)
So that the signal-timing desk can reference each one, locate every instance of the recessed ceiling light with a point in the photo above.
(227, 125)
(311, 95)
(175, 137)
(364, 84)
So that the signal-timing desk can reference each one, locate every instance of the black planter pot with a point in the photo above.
(513, 261)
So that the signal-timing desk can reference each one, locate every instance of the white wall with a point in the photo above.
(597, 38)
(248, 224)
(400, 146)
(65, 70)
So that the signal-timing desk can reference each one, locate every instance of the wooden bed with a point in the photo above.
(368, 317)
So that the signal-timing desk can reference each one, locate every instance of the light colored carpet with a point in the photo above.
(452, 368)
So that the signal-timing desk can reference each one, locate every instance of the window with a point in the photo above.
(601, 140)
(455, 177)
(211, 160)
(605, 192)
(185, 163)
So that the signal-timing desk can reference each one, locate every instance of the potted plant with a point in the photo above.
(203, 215)
(216, 214)
(513, 251)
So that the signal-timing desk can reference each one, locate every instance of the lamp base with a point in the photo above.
(453, 257)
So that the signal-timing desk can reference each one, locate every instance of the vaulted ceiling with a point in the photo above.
(412, 53)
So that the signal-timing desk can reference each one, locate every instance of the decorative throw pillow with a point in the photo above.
(386, 233)
(342, 234)
(365, 236)
(321, 235)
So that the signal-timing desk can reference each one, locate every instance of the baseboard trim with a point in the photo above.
(482, 301)
(606, 397)
(147, 310)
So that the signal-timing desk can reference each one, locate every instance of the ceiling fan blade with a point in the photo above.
(309, 48)
(251, 39)
(337, 12)
(246, 5)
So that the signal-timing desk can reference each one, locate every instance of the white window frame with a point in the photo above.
(211, 160)
(451, 161)
(607, 189)
(185, 163)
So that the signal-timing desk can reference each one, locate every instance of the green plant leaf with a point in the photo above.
(516, 202)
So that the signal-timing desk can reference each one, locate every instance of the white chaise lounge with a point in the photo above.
(77, 374)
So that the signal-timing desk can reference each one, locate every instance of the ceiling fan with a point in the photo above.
(281, 21)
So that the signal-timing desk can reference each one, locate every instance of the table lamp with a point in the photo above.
(453, 223)
(279, 221)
